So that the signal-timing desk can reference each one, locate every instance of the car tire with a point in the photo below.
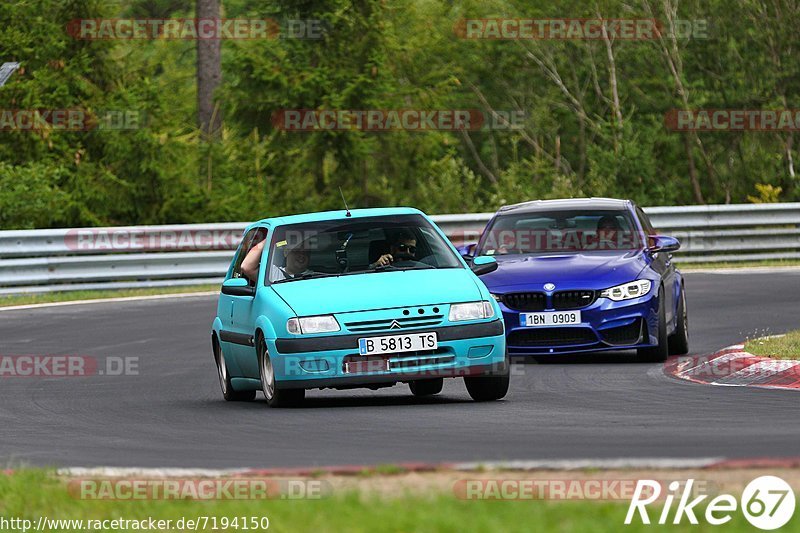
(489, 388)
(275, 397)
(228, 393)
(426, 387)
(679, 340)
(660, 352)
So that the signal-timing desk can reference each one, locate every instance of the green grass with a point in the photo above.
(30, 494)
(737, 264)
(785, 347)
(69, 296)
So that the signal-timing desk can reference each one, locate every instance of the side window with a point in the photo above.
(251, 240)
(240, 255)
(648, 227)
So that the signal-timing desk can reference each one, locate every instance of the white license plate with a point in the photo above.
(397, 343)
(557, 318)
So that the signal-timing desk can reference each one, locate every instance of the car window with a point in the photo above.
(645, 221)
(362, 245)
(250, 241)
(579, 230)
(244, 247)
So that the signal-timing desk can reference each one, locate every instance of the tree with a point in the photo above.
(209, 73)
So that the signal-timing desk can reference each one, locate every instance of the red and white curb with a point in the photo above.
(734, 367)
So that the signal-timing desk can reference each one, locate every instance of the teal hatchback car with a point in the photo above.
(362, 298)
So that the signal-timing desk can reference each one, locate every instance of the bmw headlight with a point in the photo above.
(312, 324)
(627, 291)
(470, 311)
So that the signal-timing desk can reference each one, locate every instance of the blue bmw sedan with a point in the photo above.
(583, 275)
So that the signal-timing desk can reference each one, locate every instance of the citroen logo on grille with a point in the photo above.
(549, 286)
(395, 325)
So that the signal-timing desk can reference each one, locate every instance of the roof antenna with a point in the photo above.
(345, 203)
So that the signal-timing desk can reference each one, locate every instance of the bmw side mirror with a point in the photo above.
(662, 243)
(238, 287)
(483, 264)
(467, 251)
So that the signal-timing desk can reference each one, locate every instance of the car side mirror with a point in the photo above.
(483, 264)
(238, 287)
(662, 243)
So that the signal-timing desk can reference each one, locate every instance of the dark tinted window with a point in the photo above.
(561, 231)
(645, 220)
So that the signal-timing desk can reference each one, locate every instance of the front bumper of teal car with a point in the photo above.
(334, 361)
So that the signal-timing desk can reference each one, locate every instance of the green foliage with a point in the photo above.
(575, 139)
(767, 194)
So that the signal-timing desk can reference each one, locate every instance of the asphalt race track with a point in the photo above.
(172, 413)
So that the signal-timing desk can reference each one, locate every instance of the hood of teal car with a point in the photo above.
(379, 290)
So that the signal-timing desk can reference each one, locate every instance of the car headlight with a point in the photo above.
(497, 297)
(470, 311)
(627, 291)
(312, 324)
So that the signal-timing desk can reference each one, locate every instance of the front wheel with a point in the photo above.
(275, 397)
(488, 388)
(679, 340)
(659, 352)
(228, 393)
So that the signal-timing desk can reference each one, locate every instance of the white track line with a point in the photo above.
(110, 300)
(124, 472)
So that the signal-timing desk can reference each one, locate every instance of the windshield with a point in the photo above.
(363, 245)
(560, 231)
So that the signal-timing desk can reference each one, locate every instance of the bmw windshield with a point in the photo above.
(561, 231)
(358, 246)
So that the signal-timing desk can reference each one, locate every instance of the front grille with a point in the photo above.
(624, 335)
(401, 323)
(563, 300)
(525, 301)
(551, 337)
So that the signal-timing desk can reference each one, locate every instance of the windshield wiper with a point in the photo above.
(307, 275)
(392, 268)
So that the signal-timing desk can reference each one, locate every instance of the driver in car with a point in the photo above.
(403, 248)
(608, 232)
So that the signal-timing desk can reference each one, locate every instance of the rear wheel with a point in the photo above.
(228, 393)
(679, 340)
(426, 387)
(489, 388)
(275, 397)
(660, 352)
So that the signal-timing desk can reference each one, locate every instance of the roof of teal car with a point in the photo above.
(336, 215)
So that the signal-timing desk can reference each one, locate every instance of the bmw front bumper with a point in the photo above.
(605, 325)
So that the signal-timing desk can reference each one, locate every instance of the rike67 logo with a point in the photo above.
(767, 502)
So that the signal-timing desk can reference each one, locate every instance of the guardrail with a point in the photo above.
(145, 256)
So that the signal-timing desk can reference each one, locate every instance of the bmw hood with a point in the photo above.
(592, 270)
(379, 290)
